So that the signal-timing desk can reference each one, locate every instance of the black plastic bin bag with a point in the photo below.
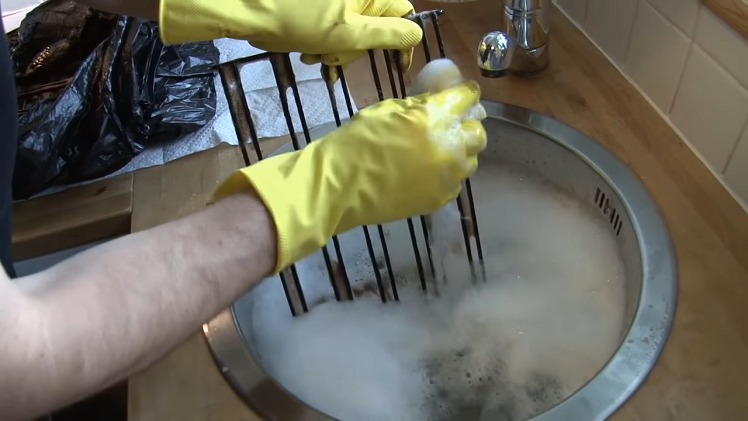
(95, 89)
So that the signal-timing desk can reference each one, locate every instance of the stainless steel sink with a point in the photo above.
(581, 168)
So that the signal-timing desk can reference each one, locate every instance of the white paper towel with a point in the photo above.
(15, 10)
(264, 102)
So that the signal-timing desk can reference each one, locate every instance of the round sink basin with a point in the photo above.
(635, 312)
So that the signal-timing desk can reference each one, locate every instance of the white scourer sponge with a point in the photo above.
(436, 76)
(439, 75)
(444, 224)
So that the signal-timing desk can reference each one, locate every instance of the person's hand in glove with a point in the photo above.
(334, 32)
(395, 159)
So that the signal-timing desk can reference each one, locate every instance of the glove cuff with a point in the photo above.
(241, 180)
(294, 197)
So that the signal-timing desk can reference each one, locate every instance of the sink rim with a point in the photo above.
(607, 391)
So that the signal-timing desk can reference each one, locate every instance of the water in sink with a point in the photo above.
(547, 318)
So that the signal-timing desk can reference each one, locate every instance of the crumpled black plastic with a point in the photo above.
(94, 89)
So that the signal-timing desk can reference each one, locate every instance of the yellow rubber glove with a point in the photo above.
(335, 32)
(394, 159)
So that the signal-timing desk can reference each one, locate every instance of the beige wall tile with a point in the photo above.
(656, 55)
(681, 13)
(609, 24)
(737, 171)
(710, 108)
(724, 44)
(577, 9)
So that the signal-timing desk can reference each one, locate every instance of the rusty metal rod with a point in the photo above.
(367, 236)
(244, 127)
(411, 227)
(380, 229)
(284, 79)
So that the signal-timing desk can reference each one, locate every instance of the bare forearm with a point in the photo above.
(139, 8)
(106, 313)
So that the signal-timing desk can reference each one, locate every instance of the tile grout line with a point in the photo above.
(631, 34)
(703, 9)
(699, 11)
(681, 77)
(586, 12)
(691, 42)
(719, 64)
(672, 23)
(735, 146)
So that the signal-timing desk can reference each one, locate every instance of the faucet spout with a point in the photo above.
(522, 46)
(495, 53)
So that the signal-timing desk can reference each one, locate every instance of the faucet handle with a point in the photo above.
(495, 53)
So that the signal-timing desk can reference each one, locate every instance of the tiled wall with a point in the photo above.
(690, 63)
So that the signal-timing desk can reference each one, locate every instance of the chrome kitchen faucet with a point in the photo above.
(521, 45)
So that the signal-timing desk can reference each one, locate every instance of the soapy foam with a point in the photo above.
(445, 236)
(444, 224)
(546, 319)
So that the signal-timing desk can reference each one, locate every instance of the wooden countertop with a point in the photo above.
(703, 370)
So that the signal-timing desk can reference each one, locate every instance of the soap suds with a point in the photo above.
(444, 224)
(547, 318)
